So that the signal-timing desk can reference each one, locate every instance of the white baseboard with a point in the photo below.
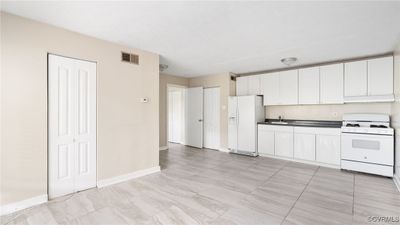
(16, 206)
(162, 148)
(396, 180)
(126, 177)
(224, 150)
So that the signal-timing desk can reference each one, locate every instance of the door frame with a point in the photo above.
(219, 115)
(48, 122)
(169, 86)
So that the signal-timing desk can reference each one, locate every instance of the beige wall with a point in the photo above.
(166, 80)
(324, 112)
(127, 130)
(396, 111)
(224, 82)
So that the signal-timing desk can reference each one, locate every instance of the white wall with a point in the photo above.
(396, 113)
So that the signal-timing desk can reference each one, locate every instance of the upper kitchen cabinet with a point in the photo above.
(369, 80)
(241, 86)
(253, 85)
(270, 88)
(380, 76)
(280, 88)
(331, 84)
(288, 87)
(355, 79)
(248, 85)
(309, 85)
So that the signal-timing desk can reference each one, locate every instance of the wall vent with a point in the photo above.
(130, 58)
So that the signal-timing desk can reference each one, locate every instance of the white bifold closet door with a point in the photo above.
(72, 125)
(212, 118)
(194, 117)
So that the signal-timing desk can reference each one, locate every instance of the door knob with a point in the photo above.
(200, 120)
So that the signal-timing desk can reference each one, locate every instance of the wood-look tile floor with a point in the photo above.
(209, 187)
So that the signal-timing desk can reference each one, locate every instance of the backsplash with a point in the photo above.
(324, 112)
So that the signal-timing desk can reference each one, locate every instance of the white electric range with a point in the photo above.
(367, 144)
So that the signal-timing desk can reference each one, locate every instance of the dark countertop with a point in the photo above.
(304, 123)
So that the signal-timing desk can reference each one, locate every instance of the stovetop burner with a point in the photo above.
(352, 125)
(369, 124)
(378, 126)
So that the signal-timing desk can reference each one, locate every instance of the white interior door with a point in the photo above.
(72, 125)
(212, 118)
(194, 117)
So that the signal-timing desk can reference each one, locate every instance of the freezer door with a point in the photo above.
(232, 123)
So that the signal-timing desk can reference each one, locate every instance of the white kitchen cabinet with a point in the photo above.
(284, 141)
(241, 86)
(380, 76)
(355, 79)
(318, 145)
(266, 140)
(304, 143)
(309, 85)
(288, 87)
(331, 84)
(369, 80)
(253, 85)
(328, 146)
(270, 88)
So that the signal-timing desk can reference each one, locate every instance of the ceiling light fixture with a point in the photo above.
(289, 61)
(163, 67)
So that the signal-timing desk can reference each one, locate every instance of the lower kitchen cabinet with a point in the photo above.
(317, 145)
(266, 141)
(328, 149)
(284, 144)
(304, 146)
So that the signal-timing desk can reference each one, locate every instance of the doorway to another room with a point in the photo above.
(176, 114)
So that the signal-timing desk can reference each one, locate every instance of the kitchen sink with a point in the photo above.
(279, 122)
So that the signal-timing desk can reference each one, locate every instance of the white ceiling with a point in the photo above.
(200, 38)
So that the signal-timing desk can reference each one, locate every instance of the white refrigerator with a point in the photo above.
(244, 112)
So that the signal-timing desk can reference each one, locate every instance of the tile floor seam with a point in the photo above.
(305, 187)
(221, 215)
(276, 172)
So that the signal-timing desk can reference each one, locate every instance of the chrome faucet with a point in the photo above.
(280, 118)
